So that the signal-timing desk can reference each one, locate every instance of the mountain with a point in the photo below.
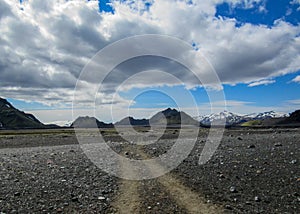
(232, 119)
(167, 117)
(294, 118)
(265, 115)
(63, 123)
(90, 122)
(172, 117)
(219, 118)
(127, 121)
(12, 118)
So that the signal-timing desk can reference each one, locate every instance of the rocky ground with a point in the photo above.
(253, 171)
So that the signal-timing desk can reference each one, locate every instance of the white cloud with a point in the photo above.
(294, 102)
(296, 2)
(262, 82)
(296, 79)
(45, 45)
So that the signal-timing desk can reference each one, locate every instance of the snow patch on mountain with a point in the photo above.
(266, 115)
(64, 123)
(233, 118)
(225, 116)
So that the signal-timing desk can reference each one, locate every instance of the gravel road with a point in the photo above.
(253, 171)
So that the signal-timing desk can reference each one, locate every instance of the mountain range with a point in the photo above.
(12, 118)
(168, 117)
(232, 119)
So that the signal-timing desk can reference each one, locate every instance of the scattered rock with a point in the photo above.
(252, 146)
(101, 198)
(228, 207)
(257, 199)
(17, 194)
(233, 189)
(59, 210)
(221, 176)
(75, 199)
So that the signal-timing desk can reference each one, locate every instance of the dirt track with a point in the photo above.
(129, 199)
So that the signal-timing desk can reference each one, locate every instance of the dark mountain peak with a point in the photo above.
(12, 118)
(172, 117)
(296, 115)
(127, 121)
(5, 104)
(170, 112)
(2, 100)
(294, 118)
(89, 122)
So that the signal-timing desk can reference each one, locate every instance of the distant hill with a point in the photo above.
(293, 119)
(12, 118)
(127, 121)
(172, 117)
(168, 117)
(278, 120)
(89, 122)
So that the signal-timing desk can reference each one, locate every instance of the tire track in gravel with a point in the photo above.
(184, 196)
(129, 200)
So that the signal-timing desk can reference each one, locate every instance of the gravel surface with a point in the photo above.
(253, 171)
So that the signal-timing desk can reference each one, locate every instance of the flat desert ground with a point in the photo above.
(252, 171)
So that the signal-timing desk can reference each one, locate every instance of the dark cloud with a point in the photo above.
(45, 46)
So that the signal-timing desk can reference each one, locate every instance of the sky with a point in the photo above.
(252, 45)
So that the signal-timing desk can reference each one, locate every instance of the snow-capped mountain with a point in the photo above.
(234, 119)
(226, 117)
(265, 115)
(64, 123)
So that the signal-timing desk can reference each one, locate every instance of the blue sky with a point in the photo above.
(253, 45)
(273, 10)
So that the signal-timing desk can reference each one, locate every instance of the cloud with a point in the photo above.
(296, 79)
(262, 82)
(45, 45)
(296, 2)
(294, 102)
